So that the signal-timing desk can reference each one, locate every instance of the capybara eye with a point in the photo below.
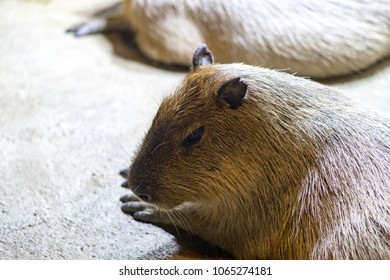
(193, 138)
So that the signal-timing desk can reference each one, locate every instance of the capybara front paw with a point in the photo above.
(142, 211)
(94, 26)
(78, 30)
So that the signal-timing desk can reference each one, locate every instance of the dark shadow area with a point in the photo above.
(363, 73)
(192, 247)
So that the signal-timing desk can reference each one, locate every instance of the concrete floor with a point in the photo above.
(72, 111)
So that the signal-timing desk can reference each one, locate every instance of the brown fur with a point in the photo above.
(296, 171)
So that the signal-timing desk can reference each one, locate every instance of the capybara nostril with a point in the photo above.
(145, 197)
(143, 191)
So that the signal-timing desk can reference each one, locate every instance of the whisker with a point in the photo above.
(136, 188)
(154, 98)
(158, 146)
(177, 219)
(173, 223)
(126, 152)
(172, 130)
(183, 221)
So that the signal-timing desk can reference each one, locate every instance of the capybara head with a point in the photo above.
(211, 141)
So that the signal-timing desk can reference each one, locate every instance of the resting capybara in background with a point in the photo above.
(265, 165)
(316, 38)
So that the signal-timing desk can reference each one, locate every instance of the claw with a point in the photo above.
(128, 197)
(77, 30)
(94, 26)
(134, 207)
(125, 185)
(124, 173)
(147, 215)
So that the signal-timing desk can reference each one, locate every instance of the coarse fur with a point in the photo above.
(266, 165)
(316, 38)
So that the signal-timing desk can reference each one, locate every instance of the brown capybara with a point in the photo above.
(316, 38)
(266, 165)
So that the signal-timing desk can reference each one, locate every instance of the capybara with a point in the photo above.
(265, 165)
(316, 38)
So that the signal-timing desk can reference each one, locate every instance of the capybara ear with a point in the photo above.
(202, 56)
(232, 93)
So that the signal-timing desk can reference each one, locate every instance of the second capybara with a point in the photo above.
(315, 38)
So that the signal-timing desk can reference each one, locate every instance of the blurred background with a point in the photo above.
(72, 112)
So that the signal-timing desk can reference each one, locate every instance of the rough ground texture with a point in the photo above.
(72, 111)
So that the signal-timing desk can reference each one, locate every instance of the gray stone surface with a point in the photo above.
(72, 112)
